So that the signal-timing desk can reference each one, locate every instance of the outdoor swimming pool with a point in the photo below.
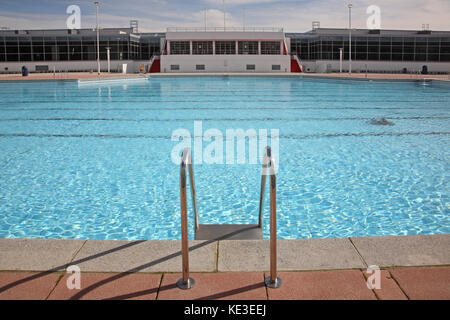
(93, 161)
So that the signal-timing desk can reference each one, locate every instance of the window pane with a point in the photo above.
(202, 47)
(225, 47)
(180, 47)
(248, 47)
(270, 47)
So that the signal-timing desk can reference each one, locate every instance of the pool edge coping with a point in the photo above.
(156, 256)
(307, 76)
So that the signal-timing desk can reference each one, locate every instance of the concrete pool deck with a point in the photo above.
(333, 76)
(412, 267)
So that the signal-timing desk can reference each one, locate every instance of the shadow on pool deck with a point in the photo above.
(413, 267)
(119, 275)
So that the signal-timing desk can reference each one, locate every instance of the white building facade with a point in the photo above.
(193, 51)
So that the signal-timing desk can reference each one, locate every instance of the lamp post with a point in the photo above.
(243, 19)
(108, 58)
(224, 15)
(98, 37)
(350, 38)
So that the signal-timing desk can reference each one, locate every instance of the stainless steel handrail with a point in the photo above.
(269, 163)
(186, 161)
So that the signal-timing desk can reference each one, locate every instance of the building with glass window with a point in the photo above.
(75, 50)
(219, 50)
(372, 50)
(230, 50)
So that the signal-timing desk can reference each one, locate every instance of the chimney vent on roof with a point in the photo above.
(134, 26)
(315, 25)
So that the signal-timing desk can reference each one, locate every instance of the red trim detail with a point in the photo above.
(156, 66)
(295, 67)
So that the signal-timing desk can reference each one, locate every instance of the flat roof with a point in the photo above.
(224, 35)
(369, 32)
(230, 33)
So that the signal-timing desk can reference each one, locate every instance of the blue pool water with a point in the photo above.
(93, 161)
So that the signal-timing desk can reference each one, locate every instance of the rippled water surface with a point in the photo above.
(93, 161)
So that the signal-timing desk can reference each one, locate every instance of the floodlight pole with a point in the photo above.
(98, 37)
(243, 19)
(224, 15)
(108, 50)
(350, 38)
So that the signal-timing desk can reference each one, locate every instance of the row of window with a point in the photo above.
(225, 47)
(378, 49)
(201, 67)
(13, 51)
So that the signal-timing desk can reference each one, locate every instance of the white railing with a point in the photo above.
(222, 29)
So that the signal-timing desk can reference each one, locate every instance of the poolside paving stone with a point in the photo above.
(144, 256)
(212, 286)
(424, 283)
(389, 290)
(26, 286)
(299, 254)
(421, 250)
(111, 286)
(37, 254)
(322, 285)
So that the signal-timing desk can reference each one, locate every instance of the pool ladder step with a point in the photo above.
(228, 231)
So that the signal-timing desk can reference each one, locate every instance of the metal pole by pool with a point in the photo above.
(98, 37)
(350, 38)
(185, 282)
(108, 49)
(272, 281)
(340, 59)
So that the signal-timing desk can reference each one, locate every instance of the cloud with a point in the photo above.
(237, 2)
(214, 18)
(293, 16)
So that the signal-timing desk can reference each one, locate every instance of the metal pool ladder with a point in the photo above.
(228, 231)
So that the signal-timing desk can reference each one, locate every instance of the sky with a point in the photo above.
(293, 16)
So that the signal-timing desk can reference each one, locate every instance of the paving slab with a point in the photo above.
(388, 288)
(299, 254)
(37, 254)
(109, 286)
(424, 283)
(421, 250)
(27, 286)
(215, 286)
(322, 285)
(144, 256)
